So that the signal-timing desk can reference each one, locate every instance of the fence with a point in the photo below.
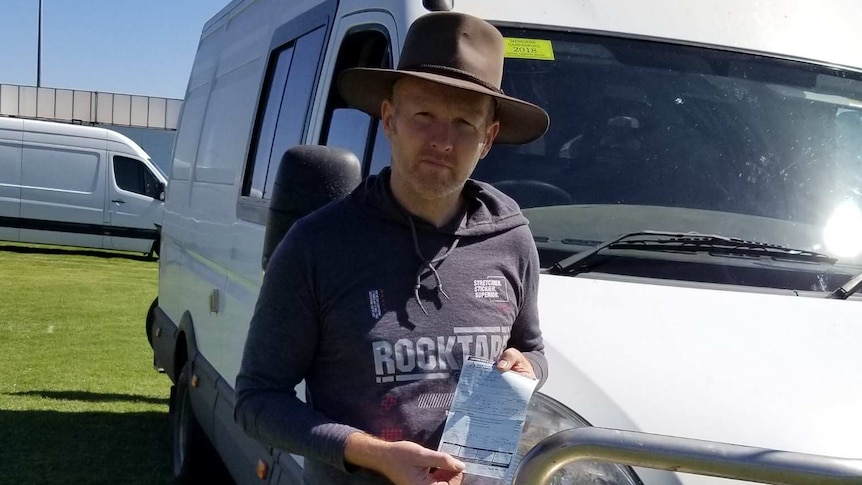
(89, 107)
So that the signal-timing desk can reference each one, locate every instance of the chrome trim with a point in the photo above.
(686, 455)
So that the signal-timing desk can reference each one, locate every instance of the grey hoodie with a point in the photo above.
(340, 308)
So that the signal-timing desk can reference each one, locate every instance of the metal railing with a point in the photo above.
(683, 455)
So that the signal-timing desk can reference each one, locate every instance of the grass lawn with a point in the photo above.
(80, 402)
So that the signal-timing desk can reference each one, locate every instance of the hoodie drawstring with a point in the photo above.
(426, 263)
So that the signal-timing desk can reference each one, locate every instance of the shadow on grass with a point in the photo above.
(36, 249)
(46, 447)
(92, 397)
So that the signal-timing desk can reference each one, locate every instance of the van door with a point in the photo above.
(134, 204)
(10, 182)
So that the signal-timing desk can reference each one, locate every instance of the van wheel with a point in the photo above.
(194, 459)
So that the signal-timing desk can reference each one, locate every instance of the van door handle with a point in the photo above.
(118, 201)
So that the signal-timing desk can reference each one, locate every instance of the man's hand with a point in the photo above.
(403, 462)
(411, 464)
(512, 359)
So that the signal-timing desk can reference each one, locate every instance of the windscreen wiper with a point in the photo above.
(844, 291)
(685, 242)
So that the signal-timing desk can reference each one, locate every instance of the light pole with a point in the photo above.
(39, 50)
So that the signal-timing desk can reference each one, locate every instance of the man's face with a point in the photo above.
(438, 134)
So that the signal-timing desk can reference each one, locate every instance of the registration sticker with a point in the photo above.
(539, 49)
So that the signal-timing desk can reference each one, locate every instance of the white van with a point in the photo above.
(696, 205)
(75, 185)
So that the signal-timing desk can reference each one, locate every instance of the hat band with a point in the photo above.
(452, 72)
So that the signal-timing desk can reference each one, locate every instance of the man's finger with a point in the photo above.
(442, 461)
(446, 477)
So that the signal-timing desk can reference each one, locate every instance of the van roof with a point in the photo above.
(821, 31)
(68, 129)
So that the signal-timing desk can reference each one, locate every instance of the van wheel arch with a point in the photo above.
(186, 345)
(151, 320)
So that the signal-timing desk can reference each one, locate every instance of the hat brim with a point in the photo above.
(366, 88)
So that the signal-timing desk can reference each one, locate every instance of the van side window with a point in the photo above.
(282, 119)
(133, 176)
(346, 127)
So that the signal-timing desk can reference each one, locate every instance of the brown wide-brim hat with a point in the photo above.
(456, 50)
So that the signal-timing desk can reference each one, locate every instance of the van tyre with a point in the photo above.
(194, 459)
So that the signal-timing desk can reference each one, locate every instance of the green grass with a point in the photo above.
(80, 402)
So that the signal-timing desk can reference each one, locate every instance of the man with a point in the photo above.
(375, 300)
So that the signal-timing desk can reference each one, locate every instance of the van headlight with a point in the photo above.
(545, 417)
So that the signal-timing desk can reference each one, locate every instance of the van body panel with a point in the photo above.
(207, 250)
(777, 385)
(759, 366)
(10, 179)
(65, 191)
(63, 179)
(173, 260)
(246, 274)
(221, 95)
(202, 210)
(120, 143)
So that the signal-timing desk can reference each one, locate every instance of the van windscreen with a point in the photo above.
(652, 135)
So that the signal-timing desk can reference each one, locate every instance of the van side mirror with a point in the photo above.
(162, 189)
(309, 177)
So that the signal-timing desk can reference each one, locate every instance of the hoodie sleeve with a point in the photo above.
(279, 350)
(526, 335)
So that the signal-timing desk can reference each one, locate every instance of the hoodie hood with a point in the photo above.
(487, 210)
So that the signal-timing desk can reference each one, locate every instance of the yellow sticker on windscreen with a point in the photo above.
(539, 49)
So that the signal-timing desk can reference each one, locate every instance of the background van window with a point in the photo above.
(133, 176)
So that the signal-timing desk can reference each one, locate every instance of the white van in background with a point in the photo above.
(695, 203)
(75, 185)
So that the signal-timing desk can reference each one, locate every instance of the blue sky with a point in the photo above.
(126, 46)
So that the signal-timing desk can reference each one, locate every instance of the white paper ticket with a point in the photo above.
(484, 424)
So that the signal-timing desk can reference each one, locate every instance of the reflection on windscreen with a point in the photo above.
(654, 124)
